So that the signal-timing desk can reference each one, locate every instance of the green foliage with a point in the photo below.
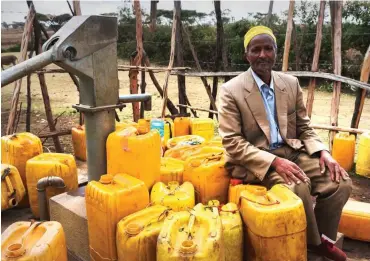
(15, 48)
(355, 39)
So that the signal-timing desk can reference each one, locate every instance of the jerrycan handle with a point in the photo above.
(17, 249)
(269, 198)
(214, 157)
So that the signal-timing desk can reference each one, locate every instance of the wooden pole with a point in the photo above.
(336, 7)
(336, 128)
(170, 65)
(179, 58)
(170, 106)
(77, 7)
(153, 16)
(315, 61)
(204, 79)
(133, 73)
(142, 87)
(361, 93)
(219, 51)
(29, 99)
(24, 44)
(288, 36)
(295, 45)
(269, 14)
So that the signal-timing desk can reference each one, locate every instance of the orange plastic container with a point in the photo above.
(26, 241)
(363, 155)
(137, 234)
(12, 189)
(50, 164)
(193, 235)
(171, 170)
(215, 141)
(355, 220)
(235, 190)
(344, 150)
(136, 155)
(187, 140)
(173, 195)
(125, 124)
(209, 177)
(203, 127)
(182, 126)
(275, 223)
(79, 142)
(107, 202)
(183, 153)
(16, 149)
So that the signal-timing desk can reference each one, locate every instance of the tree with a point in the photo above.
(4, 25)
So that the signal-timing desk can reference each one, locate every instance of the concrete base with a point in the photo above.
(70, 210)
(339, 244)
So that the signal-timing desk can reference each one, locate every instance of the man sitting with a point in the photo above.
(265, 130)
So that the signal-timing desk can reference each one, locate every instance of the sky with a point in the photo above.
(17, 10)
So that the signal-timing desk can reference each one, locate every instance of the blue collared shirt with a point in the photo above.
(276, 140)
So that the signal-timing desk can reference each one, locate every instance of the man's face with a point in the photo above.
(261, 54)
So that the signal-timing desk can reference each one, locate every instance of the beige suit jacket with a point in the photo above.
(244, 126)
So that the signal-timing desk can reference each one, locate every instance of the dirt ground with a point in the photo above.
(63, 94)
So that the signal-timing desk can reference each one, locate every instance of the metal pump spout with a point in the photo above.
(87, 47)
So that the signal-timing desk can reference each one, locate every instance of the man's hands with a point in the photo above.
(289, 171)
(335, 170)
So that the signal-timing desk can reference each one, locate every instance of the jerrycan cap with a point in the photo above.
(133, 229)
(106, 179)
(188, 247)
(15, 250)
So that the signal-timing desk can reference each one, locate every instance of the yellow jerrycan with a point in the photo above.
(108, 201)
(50, 164)
(363, 155)
(169, 130)
(79, 142)
(355, 220)
(125, 124)
(199, 150)
(184, 152)
(235, 190)
(215, 141)
(38, 241)
(173, 195)
(275, 224)
(171, 170)
(137, 234)
(135, 155)
(16, 149)
(12, 189)
(209, 177)
(203, 127)
(192, 235)
(186, 140)
(182, 126)
(232, 228)
(344, 149)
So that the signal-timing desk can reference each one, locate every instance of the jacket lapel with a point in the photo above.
(254, 100)
(281, 103)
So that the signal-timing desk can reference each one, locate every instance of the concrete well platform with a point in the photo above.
(70, 210)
